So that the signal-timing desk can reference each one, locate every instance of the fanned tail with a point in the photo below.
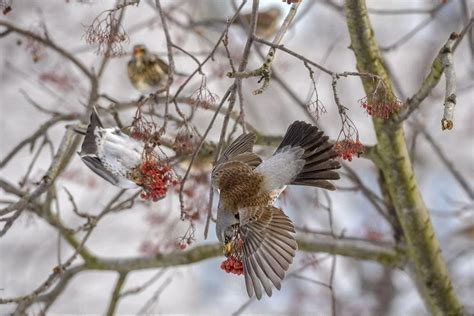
(318, 154)
(89, 145)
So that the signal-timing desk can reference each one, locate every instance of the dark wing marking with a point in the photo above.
(95, 165)
(268, 249)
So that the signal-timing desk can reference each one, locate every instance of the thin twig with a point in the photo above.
(169, 48)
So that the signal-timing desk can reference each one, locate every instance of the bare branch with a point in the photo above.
(60, 160)
(436, 70)
(450, 76)
(49, 43)
(116, 294)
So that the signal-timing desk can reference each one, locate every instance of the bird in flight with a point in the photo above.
(111, 154)
(254, 233)
(146, 71)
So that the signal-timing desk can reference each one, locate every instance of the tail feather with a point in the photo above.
(318, 154)
(89, 145)
(323, 166)
(320, 146)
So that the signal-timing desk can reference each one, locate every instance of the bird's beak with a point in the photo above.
(227, 249)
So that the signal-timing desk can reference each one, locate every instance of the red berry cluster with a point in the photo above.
(155, 179)
(232, 265)
(347, 148)
(381, 110)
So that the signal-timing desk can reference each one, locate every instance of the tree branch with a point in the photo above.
(423, 249)
(382, 252)
(60, 160)
(436, 70)
(49, 43)
(116, 294)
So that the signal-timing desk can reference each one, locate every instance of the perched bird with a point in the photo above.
(259, 235)
(110, 153)
(266, 21)
(146, 71)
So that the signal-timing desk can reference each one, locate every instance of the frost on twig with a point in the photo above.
(450, 76)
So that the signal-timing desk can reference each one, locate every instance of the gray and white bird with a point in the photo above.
(252, 230)
(110, 153)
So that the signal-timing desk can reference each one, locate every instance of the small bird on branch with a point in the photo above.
(146, 71)
(258, 238)
(267, 21)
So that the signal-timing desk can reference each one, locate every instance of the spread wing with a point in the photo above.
(238, 155)
(94, 163)
(241, 150)
(269, 246)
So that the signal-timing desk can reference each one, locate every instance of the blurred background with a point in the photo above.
(30, 73)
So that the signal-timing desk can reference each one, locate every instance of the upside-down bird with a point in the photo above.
(252, 230)
(110, 153)
(146, 71)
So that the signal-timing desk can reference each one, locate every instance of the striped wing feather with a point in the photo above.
(269, 248)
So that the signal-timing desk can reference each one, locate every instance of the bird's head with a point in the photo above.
(227, 228)
(230, 236)
(139, 51)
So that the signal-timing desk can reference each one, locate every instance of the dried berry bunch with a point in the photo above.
(203, 97)
(106, 30)
(380, 103)
(188, 238)
(347, 148)
(379, 109)
(186, 140)
(145, 130)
